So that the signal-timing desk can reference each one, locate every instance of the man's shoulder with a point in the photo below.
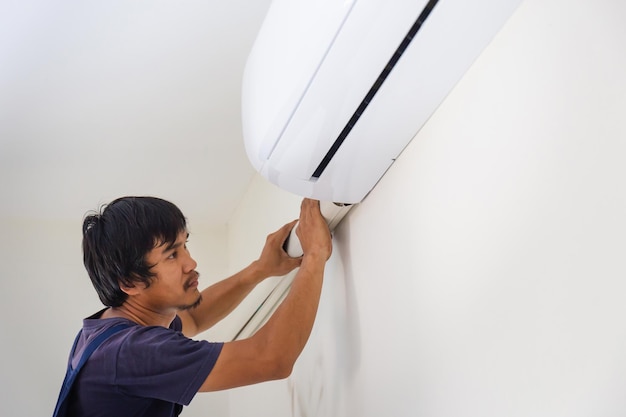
(95, 324)
(128, 335)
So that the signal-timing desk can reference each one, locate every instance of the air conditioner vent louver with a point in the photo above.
(375, 87)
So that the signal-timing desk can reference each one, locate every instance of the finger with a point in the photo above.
(315, 206)
(303, 209)
(285, 229)
(309, 206)
(280, 236)
(289, 225)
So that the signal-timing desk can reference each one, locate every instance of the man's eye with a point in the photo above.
(172, 256)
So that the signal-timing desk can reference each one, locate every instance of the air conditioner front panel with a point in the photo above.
(292, 43)
(445, 46)
(312, 110)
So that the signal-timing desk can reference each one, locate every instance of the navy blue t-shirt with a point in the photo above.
(140, 371)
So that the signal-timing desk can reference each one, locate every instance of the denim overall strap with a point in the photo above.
(61, 408)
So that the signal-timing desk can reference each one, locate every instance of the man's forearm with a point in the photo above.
(272, 351)
(290, 326)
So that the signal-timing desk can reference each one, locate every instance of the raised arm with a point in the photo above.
(221, 298)
(272, 351)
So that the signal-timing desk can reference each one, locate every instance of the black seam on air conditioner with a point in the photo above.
(374, 89)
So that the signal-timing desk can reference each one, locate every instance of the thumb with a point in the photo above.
(283, 233)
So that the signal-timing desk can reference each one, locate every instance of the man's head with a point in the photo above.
(117, 239)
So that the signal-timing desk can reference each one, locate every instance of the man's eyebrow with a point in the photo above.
(175, 245)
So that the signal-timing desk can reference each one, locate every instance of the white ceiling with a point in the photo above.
(100, 99)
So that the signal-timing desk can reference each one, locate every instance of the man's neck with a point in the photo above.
(139, 315)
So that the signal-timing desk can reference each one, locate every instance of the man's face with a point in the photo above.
(176, 282)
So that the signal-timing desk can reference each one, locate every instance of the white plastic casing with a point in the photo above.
(313, 63)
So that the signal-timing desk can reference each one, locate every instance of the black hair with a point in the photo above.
(117, 238)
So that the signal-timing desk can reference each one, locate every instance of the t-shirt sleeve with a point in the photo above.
(161, 363)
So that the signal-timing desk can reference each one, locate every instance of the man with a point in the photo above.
(136, 255)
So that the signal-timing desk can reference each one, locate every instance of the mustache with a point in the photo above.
(194, 276)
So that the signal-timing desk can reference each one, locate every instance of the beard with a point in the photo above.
(195, 275)
(191, 306)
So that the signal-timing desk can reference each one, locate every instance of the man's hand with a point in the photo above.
(313, 231)
(274, 261)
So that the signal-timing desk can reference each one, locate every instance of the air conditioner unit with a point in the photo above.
(333, 91)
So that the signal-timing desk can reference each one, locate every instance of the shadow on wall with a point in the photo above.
(327, 367)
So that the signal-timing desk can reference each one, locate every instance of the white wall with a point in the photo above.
(44, 295)
(484, 275)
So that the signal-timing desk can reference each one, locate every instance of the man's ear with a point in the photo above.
(131, 289)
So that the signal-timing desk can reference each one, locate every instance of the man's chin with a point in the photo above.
(191, 306)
